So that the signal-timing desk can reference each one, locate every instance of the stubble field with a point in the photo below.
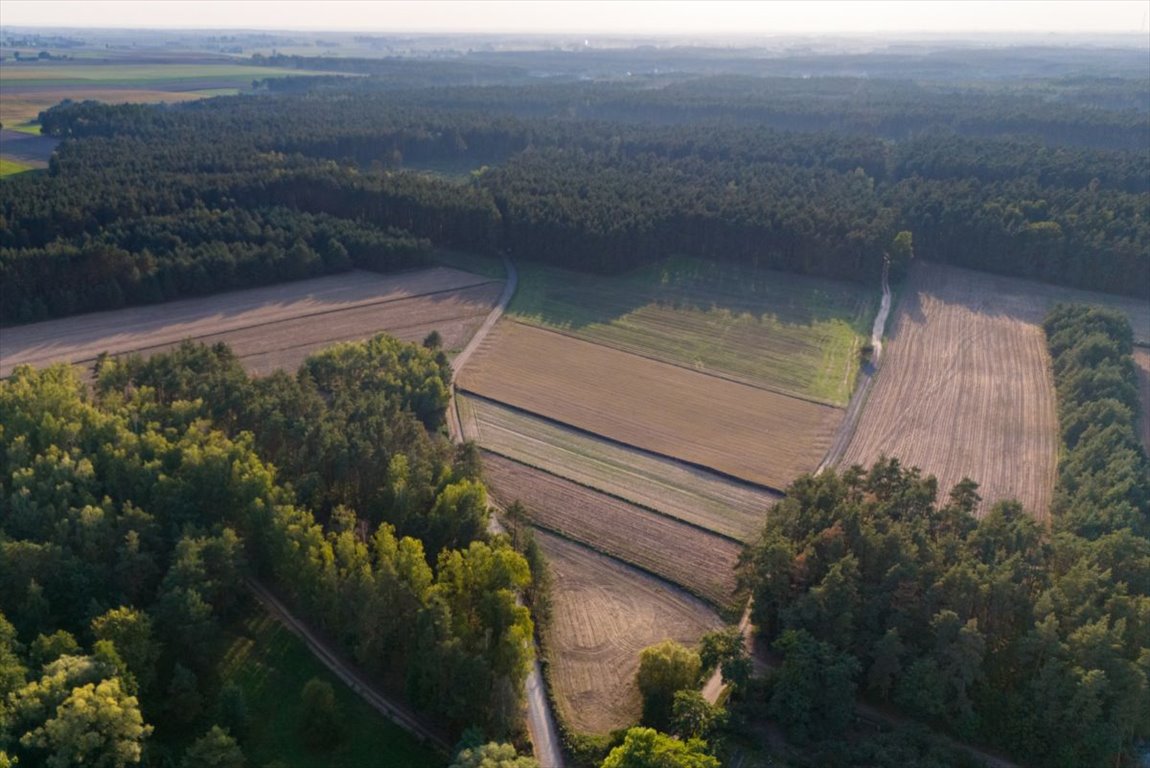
(605, 614)
(793, 334)
(742, 431)
(965, 388)
(271, 327)
(688, 493)
(701, 562)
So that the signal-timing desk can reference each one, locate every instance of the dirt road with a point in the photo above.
(846, 430)
(540, 721)
(386, 706)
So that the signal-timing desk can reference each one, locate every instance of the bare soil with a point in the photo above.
(965, 388)
(749, 433)
(270, 327)
(605, 613)
(697, 560)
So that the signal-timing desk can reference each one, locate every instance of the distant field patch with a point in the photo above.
(965, 388)
(26, 149)
(28, 88)
(738, 430)
(1142, 361)
(688, 493)
(798, 335)
(605, 614)
(699, 561)
(271, 327)
(10, 167)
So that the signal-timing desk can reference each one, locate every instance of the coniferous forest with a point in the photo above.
(139, 504)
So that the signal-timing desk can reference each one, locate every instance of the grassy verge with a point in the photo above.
(793, 334)
(10, 168)
(488, 266)
(272, 665)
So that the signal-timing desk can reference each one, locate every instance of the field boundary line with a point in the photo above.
(268, 323)
(352, 679)
(616, 497)
(653, 359)
(867, 373)
(722, 610)
(685, 462)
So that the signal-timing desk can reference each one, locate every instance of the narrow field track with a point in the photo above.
(273, 326)
(694, 495)
(741, 431)
(605, 614)
(965, 389)
(700, 562)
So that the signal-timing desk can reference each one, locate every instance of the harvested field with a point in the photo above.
(1142, 361)
(271, 327)
(605, 614)
(735, 429)
(701, 562)
(794, 334)
(688, 493)
(965, 388)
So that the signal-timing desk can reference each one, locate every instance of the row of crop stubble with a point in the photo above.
(700, 561)
(691, 494)
(966, 389)
(741, 431)
(271, 327)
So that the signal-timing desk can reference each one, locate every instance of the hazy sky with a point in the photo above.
(695, 17)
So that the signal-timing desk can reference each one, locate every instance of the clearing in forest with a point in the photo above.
(701, 562)
(605, 613)
(272, 327)
(1142, 363)
(691, 494)
(794, 334)
(965, 388)
(738, 430)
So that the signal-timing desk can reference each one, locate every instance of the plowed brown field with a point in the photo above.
(693, 495)
(605, 614)
(750, 433)
(1142, 361)
(699, 561)
(965, 388)
(272, 327)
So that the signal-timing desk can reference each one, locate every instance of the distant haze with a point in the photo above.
(693, 18)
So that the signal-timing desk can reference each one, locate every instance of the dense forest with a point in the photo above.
(145, 203)
(1002, 631)
(132, 513)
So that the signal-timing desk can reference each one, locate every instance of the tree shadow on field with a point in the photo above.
(572, 300)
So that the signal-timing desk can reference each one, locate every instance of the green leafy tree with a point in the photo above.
(319, 716)
(47, 648)
(693, 717)
(492, 755)
(665, 669)
(97, 725)
(814, 691)
(647, 748)
(215, 749)
(232, 709)
(184, 700)
(130, 631)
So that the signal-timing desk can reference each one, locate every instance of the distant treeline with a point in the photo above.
(603, 195)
